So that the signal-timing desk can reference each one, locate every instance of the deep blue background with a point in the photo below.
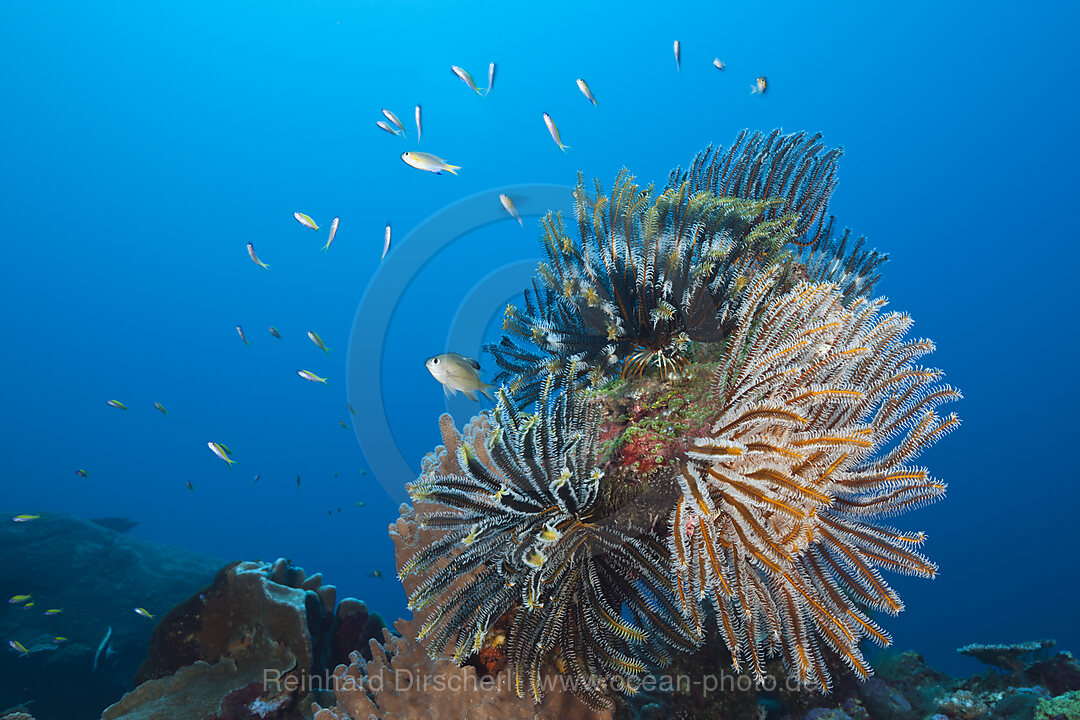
(143, 144)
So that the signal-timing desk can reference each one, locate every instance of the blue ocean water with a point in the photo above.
(144, 144)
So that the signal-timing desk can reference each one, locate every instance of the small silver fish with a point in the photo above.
(718, 64)
(554, 132)
(394, 119)
(760, 85)
(678, 55)
(419, 126)
(430, 163)
(465, 78)
(219, 450)
(18, 647)
(586, 91)
(333, 232)
(386, 242)
(240, 332)
(255, 258)
(161, 407)
(509, 205)
(308, 375)
(457, 372)
(314, 337)
(274, 332)
(116, 404)
(382, 125)
(144, 613)
(491, 78)
(305, 220)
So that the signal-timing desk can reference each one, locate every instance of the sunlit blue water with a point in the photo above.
(143, 144)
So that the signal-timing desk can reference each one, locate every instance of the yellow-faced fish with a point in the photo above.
(255, 258)
(314, 337)
(457, 372)
(386, 242)
(586, 91)
(333, 232)
(190, 486)
(82, 473)
(428, 162)
(116, 404)
(240, 332)
(509, 205)
(144, 613)
(274, 332)
(305, 220)
(383, 126)
(308, 375)
(419, 126)
(18, 647)
(19, 599)
(718, 64)
(554, 132)
(219, 450)
(27, 518)
(465, 78)
(394, 119)
(678, 55)
(760, 85)
(161, 407)
(53, 611)
(491, 78)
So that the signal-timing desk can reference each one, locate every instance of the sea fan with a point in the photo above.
(649, 275)
(583, 594)
(820, 410)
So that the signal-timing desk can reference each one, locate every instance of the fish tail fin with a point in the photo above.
(230, 461)
(452, 169)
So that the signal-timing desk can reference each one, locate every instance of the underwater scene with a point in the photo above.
(423, 360)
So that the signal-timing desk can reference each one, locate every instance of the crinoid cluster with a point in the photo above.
(583, 595)
(820, 411)
(643, 276)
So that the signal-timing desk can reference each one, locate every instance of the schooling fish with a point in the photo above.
(144, 613)
(586, 91)
(53, 611)
(25, 518)
(305, 220)
(375, 574)
(394, 119)
(554, 132)
(383, 126)
(19, 599)
(386, 242)
(342, 424)
(190, 486)
(256, 479)
(82, 473)
(428, 162)
(240, 332)
(718, 64)
(350, 408)
(18, 647)
(161, 407)
(59, 639)
(274, 332)
(465, 78)
(760, 85)
(314, 337)
(219, 450)
(308, 375)
(509, 205)
(255, 258)
(457, 372)
(491, 78)
(333, 232)
(678, 55)
(116, 404)
(419, 126)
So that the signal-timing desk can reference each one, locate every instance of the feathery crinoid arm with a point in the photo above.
(820, 410)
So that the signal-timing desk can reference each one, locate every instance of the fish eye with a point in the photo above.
(434, 361)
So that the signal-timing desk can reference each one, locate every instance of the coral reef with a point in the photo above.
(254, 643)
(96, 576)
(1007, 657)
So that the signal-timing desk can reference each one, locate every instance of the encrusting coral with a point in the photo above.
(752, 418)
